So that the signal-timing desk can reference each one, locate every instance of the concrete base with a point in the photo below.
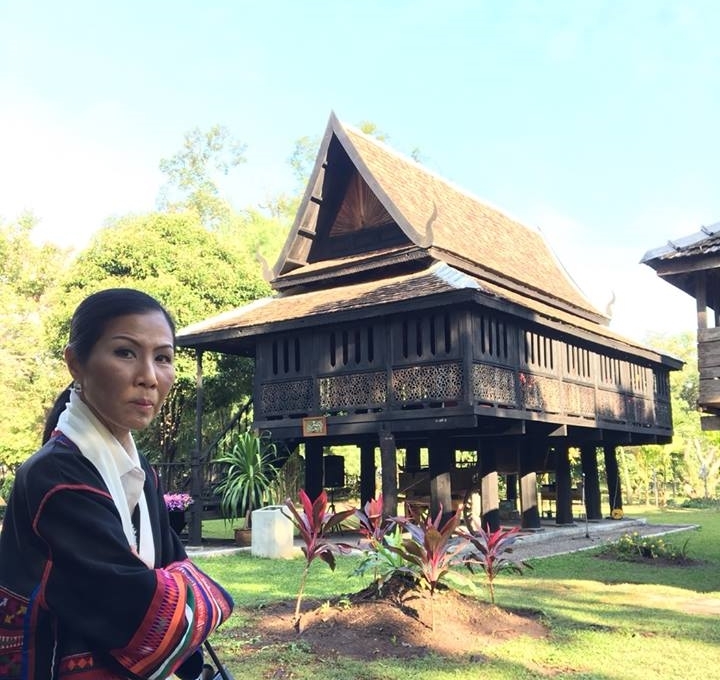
(272, 533)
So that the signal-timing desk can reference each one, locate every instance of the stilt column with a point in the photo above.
(591, 482)
(490, 500)
(440, 463)
(388, 462)
(529, 513)
(613, 480)
(563, 498)
(367, 473)
(313, 468)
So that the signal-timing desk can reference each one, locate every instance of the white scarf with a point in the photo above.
(119, 469)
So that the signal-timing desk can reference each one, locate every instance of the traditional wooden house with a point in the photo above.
(409, 316)
(692, 264)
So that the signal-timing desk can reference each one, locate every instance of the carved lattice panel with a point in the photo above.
(611, 406)
(538, 393)
(286, 397)
(352, 391)
(579, 400)
(494, 384)
(439, 382)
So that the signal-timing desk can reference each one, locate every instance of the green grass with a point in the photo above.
(609, 620)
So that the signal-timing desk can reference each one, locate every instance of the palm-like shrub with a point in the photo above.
(247, 483)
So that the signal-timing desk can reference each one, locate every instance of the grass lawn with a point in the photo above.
(608, 620)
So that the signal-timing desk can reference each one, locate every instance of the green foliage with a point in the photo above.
(383, 559)
(195, 273)
(191, 173)
(383, 556)
(6, 486)
(701, 503)
(313, 523)
(637, 548)
(690, 465)
(247, 483)
(30, 376)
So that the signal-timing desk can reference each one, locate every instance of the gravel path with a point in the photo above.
(561, 540)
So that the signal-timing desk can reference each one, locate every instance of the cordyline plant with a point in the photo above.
(432, 549)
(313, 523)
(490, 554)
(380, 533)
(371, 523)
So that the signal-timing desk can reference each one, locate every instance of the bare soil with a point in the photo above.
(395, 622)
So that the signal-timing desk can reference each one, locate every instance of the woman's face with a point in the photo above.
(128, 373)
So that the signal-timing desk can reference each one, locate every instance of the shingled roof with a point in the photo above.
(682, 260)
(377, 233)
(443, 221)
(235, 331)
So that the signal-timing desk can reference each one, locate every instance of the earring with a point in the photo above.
(77, 387)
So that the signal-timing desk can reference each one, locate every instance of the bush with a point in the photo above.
(634, 547)
(6, 486)
(701, 504)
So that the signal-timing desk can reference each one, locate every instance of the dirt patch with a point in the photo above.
(396, 622)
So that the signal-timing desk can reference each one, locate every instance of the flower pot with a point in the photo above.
(178, 521)
(243, 537)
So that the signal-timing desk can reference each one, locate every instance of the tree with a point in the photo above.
(195, 273)
(29, 375)
(191, 173)
(689, 465)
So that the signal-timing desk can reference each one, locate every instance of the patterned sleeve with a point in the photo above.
(150, 621)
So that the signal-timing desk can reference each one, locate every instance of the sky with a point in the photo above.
(595, 122)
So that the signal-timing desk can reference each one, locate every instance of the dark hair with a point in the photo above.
(88, 324)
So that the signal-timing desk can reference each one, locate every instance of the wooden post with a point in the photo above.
(313, 468)
(588, 460)
(195, 527)
(490, 498)
(440, 463)
(530, 515)
(388, 463)
(701, 299)
(367, 473)
(613, 480)
(563, 498)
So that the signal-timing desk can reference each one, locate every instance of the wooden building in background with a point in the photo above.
(409, 315)
(692, 264)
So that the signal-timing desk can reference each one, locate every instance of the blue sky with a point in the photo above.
(595, 122)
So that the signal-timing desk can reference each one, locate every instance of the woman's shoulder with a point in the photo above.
(57, 458)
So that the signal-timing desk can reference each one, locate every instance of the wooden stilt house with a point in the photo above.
(692, 264)
(409, 316)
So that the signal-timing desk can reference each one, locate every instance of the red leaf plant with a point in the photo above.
(490, 554)
(313, 523)
(371, 523)
(432, 549)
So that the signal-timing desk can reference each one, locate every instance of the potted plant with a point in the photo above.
(177, 504)
(247, 481)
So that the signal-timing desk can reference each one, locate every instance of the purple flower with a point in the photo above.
(178, 501)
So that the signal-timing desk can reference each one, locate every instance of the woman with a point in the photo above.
(94, 585)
